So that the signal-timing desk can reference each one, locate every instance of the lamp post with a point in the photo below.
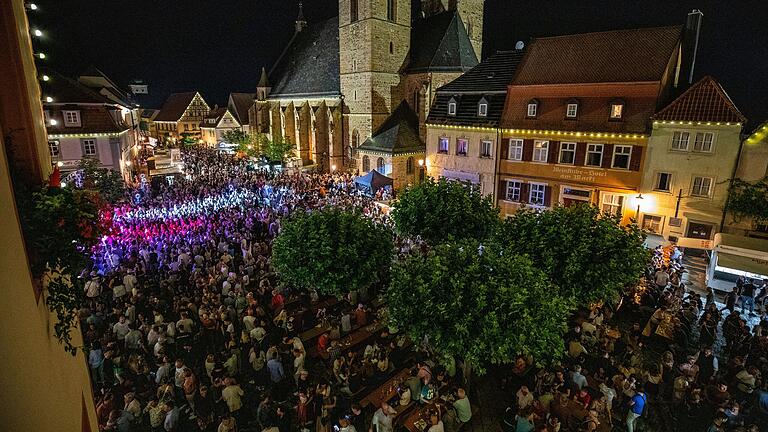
(639, 199)
(421, 170)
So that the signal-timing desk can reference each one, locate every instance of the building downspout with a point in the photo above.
(497, 175)
(730, 183)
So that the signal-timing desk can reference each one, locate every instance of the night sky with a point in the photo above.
(218, 46)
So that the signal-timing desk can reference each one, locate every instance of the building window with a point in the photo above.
(409, 165)
(652, 223)
(391, 48)
(485, 149)
(613, 204)
(536, 194)
(353, 11)
(71, 118)
(621, 156)
(452, 107)
(462, 147)
(391, 10)
(702, 186)
(366, 163)
(617, 110)
(380, 166)
(482, 108)
(703, 142)
(540, 151)
(567, 153)
(663, 182)
(515, 150)
(680, 140)
(442, 145)
(54, 148)
(533, 108)
(513, 190)
(571, 110)
(89, 147)
(594, 155)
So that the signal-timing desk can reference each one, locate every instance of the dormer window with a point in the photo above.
(533, 108)
(71, 118)
(452, 107)
(482, 108)
(572, 109)
(617, 110)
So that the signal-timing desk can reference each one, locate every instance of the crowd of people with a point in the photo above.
(188, 328)
(655, 360)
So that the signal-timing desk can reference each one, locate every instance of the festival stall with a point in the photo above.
(734, 256)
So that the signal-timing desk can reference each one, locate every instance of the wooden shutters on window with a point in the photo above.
(637, 156)
(581, 153)
(554, 151)
(528, 150)
(607, 155)
(504, 149)
(548, 196)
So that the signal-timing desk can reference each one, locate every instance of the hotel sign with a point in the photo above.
(579, 174)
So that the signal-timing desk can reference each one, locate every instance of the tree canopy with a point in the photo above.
(485, 306)
(243, 140)
(333, 251)
(439, 210)
(587, 254)
(277, 149)
(748, 200)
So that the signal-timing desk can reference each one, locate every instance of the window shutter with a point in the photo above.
(607, 155)
(528, 150)
(524, 193)
(504, 149)
(637, 156)
(547, 196)
(581, 153)
(501, 192)
(554, 150)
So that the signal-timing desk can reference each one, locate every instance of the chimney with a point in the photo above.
(301, 23)
(690, 44)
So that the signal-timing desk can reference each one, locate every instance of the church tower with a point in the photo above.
(374, 39)
(471, 13)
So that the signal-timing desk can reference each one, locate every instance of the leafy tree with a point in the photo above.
(188, 139)
(243, 140)
(439, 210)
(748, 200)
(109, 184)
(588, 255)
(333, 251)
(487, 306)
(277, 149)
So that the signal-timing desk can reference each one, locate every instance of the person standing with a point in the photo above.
(383, 419)
(636, 407)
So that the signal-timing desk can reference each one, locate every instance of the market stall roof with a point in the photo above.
(725, 242)
(745, 264)
(374, 180)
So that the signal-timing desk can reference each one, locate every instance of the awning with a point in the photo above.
(461, 175)
(746, 264)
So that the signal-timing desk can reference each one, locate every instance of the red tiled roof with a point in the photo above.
(704, 101)
(239, 104)
(93, 119)
(174, 106)
(637, 55)
(215, 113)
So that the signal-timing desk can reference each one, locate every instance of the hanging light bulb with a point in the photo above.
(46, 77)
(53, 122)
(37, 32)
(32, 6)
(41, 55)
(48, 99)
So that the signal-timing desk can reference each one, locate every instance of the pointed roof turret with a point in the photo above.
(264, 80)
(301, 23)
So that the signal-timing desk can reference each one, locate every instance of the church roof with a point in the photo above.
(309, 66)
(239, 104)
(637, 55)
(264, 80)
(440, 43)
(398, 134)
(174, 107)
(705, 101)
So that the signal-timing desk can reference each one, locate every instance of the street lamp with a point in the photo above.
(421, 170)
(333, 168)
(638, 199)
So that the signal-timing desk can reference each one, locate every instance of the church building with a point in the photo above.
(338, 82)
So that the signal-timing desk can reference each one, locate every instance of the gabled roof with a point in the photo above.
(239, 104)
(440, 43)
(467, 106)
(638, 55)
(149, 113)
(66, 90)
(98, 81)
(491, 75)
(216, 114)
(174, 107)
(704, 101)
(309, 66)
(398, 134)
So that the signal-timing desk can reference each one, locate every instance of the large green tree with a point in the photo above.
(440, 210)
(484, 305)
(243, 140)
(748, 200)
(588, 255)
(333, 251)
(277, 149)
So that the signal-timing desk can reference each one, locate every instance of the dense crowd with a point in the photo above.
(657, 361)
(188, 328)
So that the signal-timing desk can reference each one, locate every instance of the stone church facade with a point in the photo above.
(338, 82)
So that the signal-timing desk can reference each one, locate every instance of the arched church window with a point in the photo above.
(409, 165)
(380, 165)
(366, 163)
